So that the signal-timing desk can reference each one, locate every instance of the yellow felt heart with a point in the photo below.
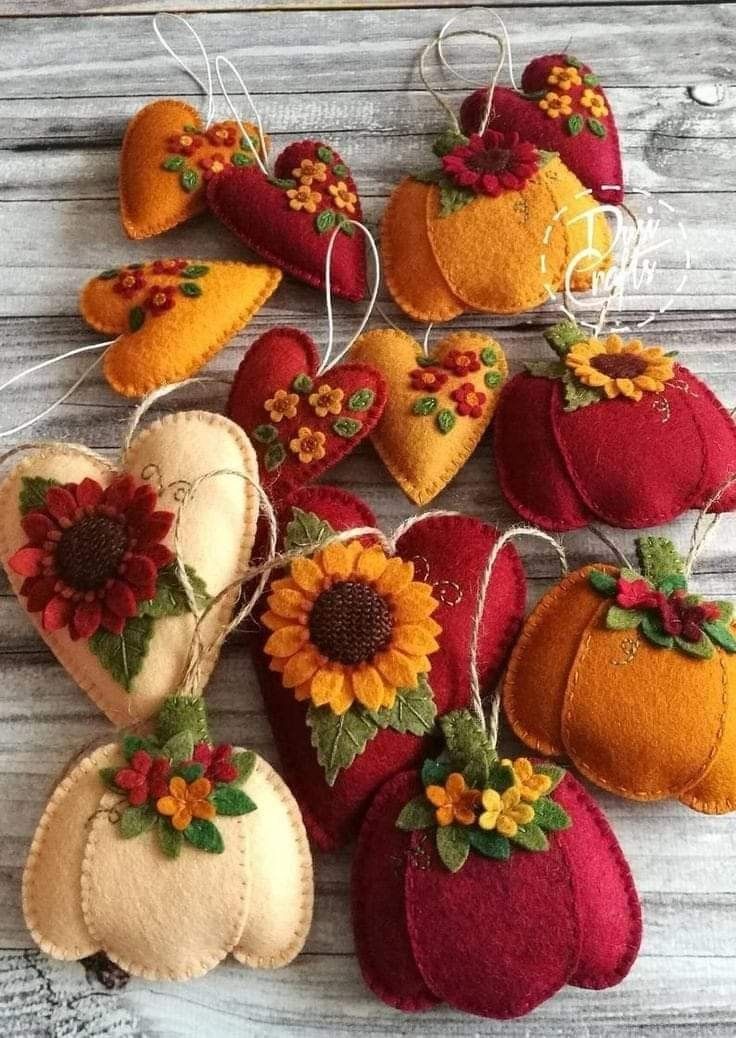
(166, 161)
(171, 315)
(438, 407)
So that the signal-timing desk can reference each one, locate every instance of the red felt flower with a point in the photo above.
(184, 143)
(217, 761)
(92, 555)
(637, 594)
(144, 778)
(685, 620)
(160, 299)
(169, 266)
(492, 163)
(461, 362)
(129, 282)
(222, 134)
(212, 165)
(469, 401)
(427, 379)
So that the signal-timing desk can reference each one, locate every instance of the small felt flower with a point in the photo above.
(461, 362)
(595, 103)
(684, 619)
(144, 778)
(531, 786)
(303, 198)
(504, 812)
(619, 368)
(308, 171)
(556, 105)
(427, 380)
(469, 401)
(169, 266)
(308, 445)
(92, 555)
(564, 77)
(129, 282)
(186, 801)
(327, 400)
(343, 197)
(160, 299)
(282, 405)
(212, 165)
(637, 594)
(223, 135)
(184, 143)
(492, 163)
(216, 760)
(350, 624)
(454, 801)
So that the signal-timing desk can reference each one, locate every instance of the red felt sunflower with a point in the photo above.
(492, 162)
(92, 555)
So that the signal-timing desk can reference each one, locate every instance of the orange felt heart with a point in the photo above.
(166, 162)
(438, 407)
(172, 316)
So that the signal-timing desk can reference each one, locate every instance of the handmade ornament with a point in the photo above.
(171, 316)
(629, 674)
(87, 548)
(613, 430)
(364, 643)
(561, 107)
(439, 404)
(167, 853)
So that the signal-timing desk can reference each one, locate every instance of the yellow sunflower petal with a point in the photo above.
(627, 388)
(307, 575)
(286, 641)
(634, 347)
(288, 603)
(336, 561)
(368, 687)
(327, 684)
(591, 377)
(389, 696)
(342, 699)
(397, 669)
(413, 638)
(651, 385)
(414, 603)
(614, 344)
(611, 388)
(654, 354)
(275, 623)
(371, 563)
(302, 692)
(301, 667)
(396, 576)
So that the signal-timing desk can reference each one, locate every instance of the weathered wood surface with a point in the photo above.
(67, 86)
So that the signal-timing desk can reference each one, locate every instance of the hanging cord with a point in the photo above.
(706, 524)
(611, 545)
(157, 394)
(221, 60)
(436, 44)
(443, 35)
(206, 88)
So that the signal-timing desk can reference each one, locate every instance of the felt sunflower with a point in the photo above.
(350, 624)
(620, 368)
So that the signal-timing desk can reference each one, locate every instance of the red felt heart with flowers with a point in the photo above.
(301, 423)
(289, 218)
(445, 557)
(561, 108)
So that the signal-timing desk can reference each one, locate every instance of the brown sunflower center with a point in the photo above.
(495, 160)
(350, 623)
(619, 365)
(90, 552)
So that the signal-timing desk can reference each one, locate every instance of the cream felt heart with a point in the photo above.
(87, 549)
(438, 407)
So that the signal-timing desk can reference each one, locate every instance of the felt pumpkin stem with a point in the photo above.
(182, 714)
(658, 559)
(564, 335)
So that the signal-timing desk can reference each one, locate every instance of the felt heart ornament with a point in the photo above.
(167, 853)
(613, 430)
(87, 548)
(288, 218)
(168, 159)
(438, 405)
(302, 423)
(561, 107)
(636, 687)
(501, 882)
(171, 316)
(361, 649)
(496, 228)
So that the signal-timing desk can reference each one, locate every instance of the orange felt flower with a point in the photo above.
(304, 198)
(556, 105)
(564, 78)
(282, 405)
(343, 197)
(187, 801)
(310, 446)
(454, 801)
(308, 170)
(595, 103)
(327, 400)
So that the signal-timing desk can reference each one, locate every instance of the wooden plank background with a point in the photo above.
(71, 75)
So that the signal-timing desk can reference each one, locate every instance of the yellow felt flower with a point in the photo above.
(327, 400)
(343, 197)
(310, 446)
(504, 812)
(303, 198)
(620, 368)
(454, 801)
(595, 103)
(308, 170)
(282, 405)
(556, 105)
(350, 624)
(530, 785)
(564, 78)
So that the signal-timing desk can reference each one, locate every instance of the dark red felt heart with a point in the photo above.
(449, 553)
(584, 135)
(496, 938)
(276, 393)
(288, 219)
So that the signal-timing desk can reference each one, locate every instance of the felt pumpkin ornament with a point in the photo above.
(87, 546)
(167, 852)
(438, 407)
(628, 673)
(613, 430)
(363, 642)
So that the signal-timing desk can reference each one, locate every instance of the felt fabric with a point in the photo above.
(274, 409)
(715, 794)
(163, 165)
(629, 463)
(289, 218)
(594, 159)
(448, 553)
(202, 313)
(421, 453)
(170, 454)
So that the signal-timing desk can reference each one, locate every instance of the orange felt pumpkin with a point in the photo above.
(630, 675)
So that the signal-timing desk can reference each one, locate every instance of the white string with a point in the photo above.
(702, 532)
(222, 60)
(74, 448)
(387, 319)
(425, 344)
(491, 89)
(328, 361)
(207, 89)
(611, 544)
(156, 394)
(506, 39)
(65, 396)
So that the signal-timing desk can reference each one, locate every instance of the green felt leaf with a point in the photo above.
(108, 275)
(445, 420)
(189, 179)
(325, 221)
(720, 633)
(347, 427)
(340, 170)
(500, 777)
(546, 157)
(447, 142)
(245, 762)
(493, 379)
(302, 384)
(339, 738)
(275, 456)
(417, 814)
(361, 400)
(182, 713)
(488, 356)
(345, 225)
(424, 405)
(530, 837)
(306, 530)
(651, 628)
(189, 772)
(33, 493)
(570, 59)
(190, 289)
(591, 80)
(618, 619)
(702, 650)
(229, 800)
(283, 182)
(324, 154)
(107, 777)
(136, 318)
(578, 395)
(130, 744)
(195, 270)
(434, 772)
(414, 710)
(204, 835)
(575, 125)
(265, 433)
(170, 840)
(603, 583)
(564, 335)
(173, 162)
(430, 176)
(489, 843)
(468, 746)
(137, 820)
(672, 583)
(240, 158)
(453, 198)
(553, 772)
(549, 816)
(453, 846)
(546, 368)
(726, 611)
(122, 655)
(658, 559)
(596, 126)
(170, 598)
(179, 747)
